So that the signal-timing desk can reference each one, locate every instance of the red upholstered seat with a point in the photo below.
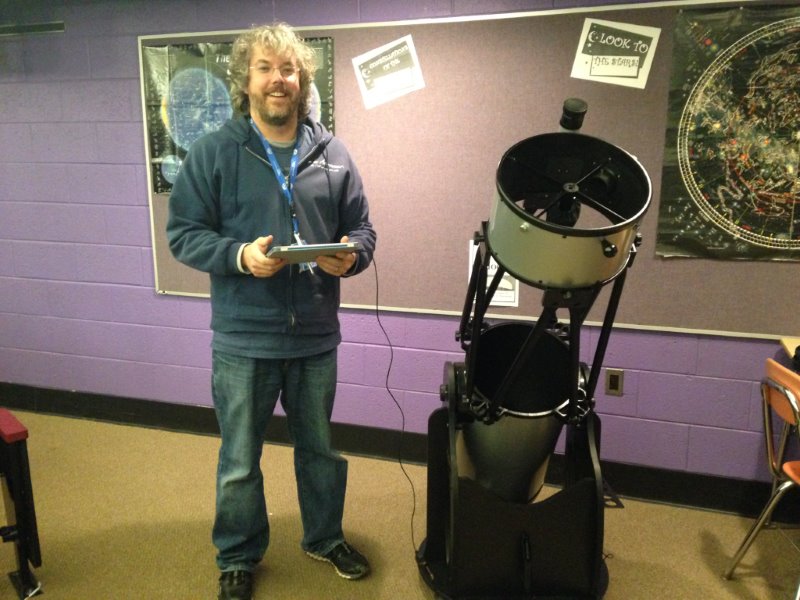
(11, 430)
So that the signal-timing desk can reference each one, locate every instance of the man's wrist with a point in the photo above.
(240, 260)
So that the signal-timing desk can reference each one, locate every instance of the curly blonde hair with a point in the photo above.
(281, 39)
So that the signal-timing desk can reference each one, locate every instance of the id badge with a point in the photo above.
(306, 266)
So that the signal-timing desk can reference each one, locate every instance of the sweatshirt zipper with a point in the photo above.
(290, 287)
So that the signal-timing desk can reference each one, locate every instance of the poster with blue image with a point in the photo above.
(186, 94)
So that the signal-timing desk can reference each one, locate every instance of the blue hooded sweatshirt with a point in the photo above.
(226, 194)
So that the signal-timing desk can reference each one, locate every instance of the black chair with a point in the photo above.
(21, 528)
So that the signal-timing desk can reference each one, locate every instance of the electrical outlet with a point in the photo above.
(615, 379)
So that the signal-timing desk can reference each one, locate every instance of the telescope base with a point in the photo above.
(482, 547)
(436, 575)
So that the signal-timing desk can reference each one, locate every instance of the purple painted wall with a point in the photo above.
(77, 306)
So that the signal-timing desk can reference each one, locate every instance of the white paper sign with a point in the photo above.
(388, 72)
(507, 293)
(615, 53)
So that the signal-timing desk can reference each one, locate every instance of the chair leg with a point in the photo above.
(758, 525)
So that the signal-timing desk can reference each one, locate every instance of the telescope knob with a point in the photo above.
(609, 249)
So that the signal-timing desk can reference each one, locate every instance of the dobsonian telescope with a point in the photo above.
(564, 220)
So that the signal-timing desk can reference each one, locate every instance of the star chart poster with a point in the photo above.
(186, 95)
(730, 176)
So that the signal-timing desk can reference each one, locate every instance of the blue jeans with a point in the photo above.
(245, 391)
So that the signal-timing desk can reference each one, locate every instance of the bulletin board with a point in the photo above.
(429, 158)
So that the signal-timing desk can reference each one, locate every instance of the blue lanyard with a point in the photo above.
(287, 185)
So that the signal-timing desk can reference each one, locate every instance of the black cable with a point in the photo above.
(399, 407)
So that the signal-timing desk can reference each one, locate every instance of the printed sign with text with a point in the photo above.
(615, 53)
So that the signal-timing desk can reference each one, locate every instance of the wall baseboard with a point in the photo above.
(354, 439)
(633, 481)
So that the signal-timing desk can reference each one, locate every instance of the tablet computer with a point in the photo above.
(308, 252)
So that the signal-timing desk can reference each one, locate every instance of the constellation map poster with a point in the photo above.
(185, 89)
(730, 187)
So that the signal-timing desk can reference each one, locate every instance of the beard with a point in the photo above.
(276, 116)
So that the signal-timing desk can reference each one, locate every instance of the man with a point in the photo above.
(272, 176)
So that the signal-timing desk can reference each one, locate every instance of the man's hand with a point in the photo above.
(254, 258)
(338, 264)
